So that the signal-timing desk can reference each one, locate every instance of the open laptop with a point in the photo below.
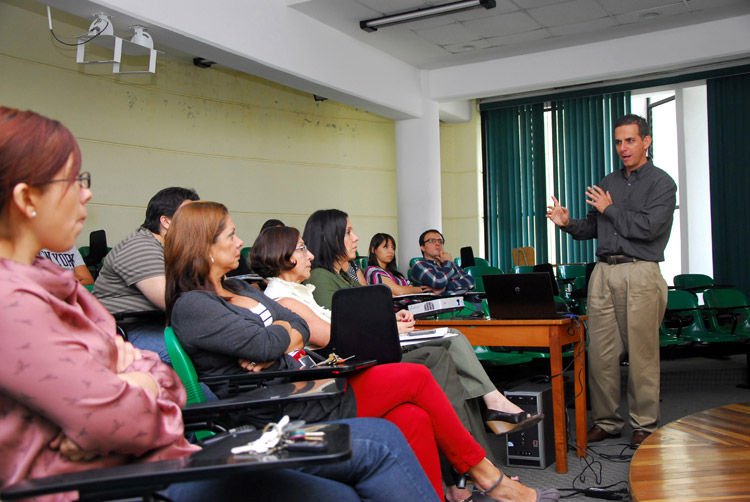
(363, 324)
(520, 296)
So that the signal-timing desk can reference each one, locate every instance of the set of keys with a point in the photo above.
(284, 435)
(333, 360)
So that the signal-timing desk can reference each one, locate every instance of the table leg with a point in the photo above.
(558, 400)
(579, 349)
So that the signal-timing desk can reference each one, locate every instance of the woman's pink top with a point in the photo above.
(58, 363)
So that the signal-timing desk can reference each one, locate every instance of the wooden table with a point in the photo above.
(551, 333)
(703, 456)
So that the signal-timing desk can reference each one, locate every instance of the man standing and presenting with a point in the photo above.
(631, 216)
(437, 272)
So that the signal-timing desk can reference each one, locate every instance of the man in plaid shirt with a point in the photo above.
(437, 271)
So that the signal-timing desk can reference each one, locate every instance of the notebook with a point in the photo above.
(363, 324)
(520, 296)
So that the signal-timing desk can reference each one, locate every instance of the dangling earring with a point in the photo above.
(32, 214)
(212, 259)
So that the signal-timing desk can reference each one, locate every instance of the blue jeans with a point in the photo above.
(149, 336)
(382, 468)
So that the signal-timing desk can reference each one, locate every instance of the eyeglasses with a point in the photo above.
(301, 248)
(435, 241)
(84, 180)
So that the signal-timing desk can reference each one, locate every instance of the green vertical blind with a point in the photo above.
(729, 168)
(515, 171)
(513, 140)
(583, 152)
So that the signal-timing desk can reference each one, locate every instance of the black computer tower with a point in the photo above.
(533, 447)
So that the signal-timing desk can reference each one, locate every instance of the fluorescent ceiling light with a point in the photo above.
(371, 25)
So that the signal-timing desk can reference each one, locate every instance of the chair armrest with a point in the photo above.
(214, 461)
(139, 314)
(309, 373)
(264, 396)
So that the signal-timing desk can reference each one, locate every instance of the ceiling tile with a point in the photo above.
(506, 24)
(467, 47)
(530, 4)
(567, 13)
(585, 27)
(519, 38)
(394, 6)
(643, 15)
(454, 33)
(620, 7)
(501, 7)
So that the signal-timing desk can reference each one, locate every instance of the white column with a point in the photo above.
(695, 196)
(418, 180)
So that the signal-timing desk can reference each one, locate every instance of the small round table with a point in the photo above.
(703, 456)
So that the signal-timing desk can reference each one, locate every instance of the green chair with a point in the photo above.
(245, 252)
(362, 262)
(570, 272)
(683, 320)
(184, 368)
(523, 269)
(90, 287)
(478, 271)
(695, 283)
(477, 261)
(728, 311)
(498, 356)
(414, 260)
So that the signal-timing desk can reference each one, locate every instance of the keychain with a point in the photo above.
(332, 360)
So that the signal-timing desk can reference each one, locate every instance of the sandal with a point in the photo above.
(502, 422)
(542, 495)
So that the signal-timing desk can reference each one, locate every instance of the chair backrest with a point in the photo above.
(184, 368)
(523, 256)
(686, 281)
(414, 260)
(728, 311)
(523, 269)
(97, 247)
(549, 269)
(478, 262)
(571, 271)
(244, 253)
(362, 262)
(724, 298)
(478, 271)
(679, 299)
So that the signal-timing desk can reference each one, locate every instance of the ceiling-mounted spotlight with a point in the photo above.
(141, 37)
(102, 25)
(319, 98)
(371, 25)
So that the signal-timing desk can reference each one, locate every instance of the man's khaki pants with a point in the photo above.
(626, 305)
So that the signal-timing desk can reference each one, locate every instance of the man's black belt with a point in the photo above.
(617, 259)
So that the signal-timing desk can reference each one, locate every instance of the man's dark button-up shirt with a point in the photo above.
(639, 220)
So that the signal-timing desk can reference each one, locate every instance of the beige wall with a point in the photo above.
(461, 184)
(265, 150)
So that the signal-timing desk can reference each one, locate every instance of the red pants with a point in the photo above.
(407, 395)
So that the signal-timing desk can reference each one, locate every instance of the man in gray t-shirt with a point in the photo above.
(132, 274)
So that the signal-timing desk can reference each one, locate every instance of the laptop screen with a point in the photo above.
(520, 296)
